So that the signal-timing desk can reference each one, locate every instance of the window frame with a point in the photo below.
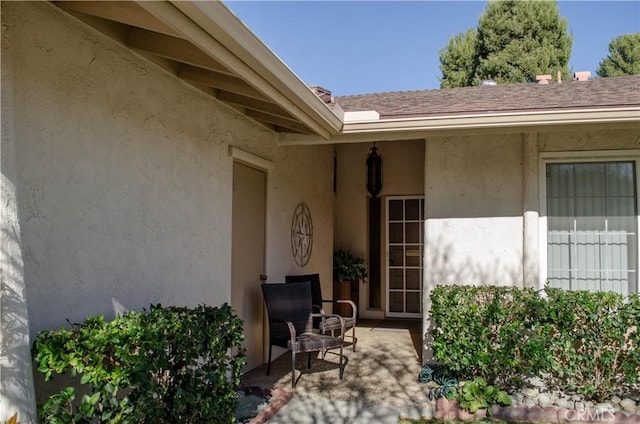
(581, 157)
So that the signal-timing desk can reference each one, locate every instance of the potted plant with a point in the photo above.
(348, 271)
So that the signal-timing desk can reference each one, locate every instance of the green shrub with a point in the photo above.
(582, 342)
(164, 365)
(594, 340)
(487, 332)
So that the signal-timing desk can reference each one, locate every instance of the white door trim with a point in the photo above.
(250, 159)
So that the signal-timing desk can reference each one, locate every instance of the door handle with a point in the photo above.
(263, 277)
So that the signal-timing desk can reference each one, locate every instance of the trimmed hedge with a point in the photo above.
(165, 365)
(580, 342)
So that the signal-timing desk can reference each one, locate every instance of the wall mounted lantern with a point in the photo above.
(374, 172)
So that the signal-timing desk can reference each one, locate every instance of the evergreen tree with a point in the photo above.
(623, 58)
(458, 60)
(515, 41)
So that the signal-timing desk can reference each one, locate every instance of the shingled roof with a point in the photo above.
(596, 93)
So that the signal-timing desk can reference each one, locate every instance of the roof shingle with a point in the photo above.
(596, 93)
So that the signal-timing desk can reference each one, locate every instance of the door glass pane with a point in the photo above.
(412, 209)
(413, 302)
(395, 232)
(396, 210)
(414, 279)
(414, 255)
(396, 279)
(412, 232)
(396, 301)
(592, 226)
(396, 256)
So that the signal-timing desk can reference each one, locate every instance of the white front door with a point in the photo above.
(405, 250)
(248, 257)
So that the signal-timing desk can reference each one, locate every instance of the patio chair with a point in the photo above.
(327, 324)
(290, 324)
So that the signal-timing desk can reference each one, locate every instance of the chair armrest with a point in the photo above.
(342, 325)
(354, 308)
(319, 308)
(292, 329)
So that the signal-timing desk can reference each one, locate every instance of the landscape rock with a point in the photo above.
(603, 406)
(565, 403)
(530, 392)
(537, 382)
(544, 400)
(628, 405)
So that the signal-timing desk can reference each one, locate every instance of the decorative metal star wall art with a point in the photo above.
(301, 235)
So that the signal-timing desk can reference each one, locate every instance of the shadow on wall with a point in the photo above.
(17, 384)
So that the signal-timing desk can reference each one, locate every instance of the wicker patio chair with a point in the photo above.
(327, 324)
(290, 324)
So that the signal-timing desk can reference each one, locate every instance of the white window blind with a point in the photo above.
(592, 236)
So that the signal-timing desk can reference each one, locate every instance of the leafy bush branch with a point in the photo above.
(165, 365)
(585, 343)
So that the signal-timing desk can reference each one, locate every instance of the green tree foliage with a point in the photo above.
(514, 42)
(458, 60)
(623, 58)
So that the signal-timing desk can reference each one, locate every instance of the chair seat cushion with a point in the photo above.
(333, 323)
(310, 342)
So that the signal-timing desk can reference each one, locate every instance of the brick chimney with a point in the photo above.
(543, 79)
(323, 93)
(582, 76)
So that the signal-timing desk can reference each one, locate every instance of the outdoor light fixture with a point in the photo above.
(374, 172)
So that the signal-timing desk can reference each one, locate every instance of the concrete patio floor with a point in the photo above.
(379, 384)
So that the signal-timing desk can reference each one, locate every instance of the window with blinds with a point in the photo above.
(592, 219)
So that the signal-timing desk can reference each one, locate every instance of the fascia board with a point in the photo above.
(417, 128)
(256, 63)
(516, 119)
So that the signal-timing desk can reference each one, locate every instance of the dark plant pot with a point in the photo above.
(345, 290)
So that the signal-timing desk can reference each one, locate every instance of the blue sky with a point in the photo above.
(358, 47)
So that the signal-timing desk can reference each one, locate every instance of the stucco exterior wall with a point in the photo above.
(302, 174)
(474, 210)
(123, 178)
(16, 378)
(475, 199)
(589, 139)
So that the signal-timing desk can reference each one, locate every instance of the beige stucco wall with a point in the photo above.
(123, 178)
(474, 210)
(16, 379)
(302, 174)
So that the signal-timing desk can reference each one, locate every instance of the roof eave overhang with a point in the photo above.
(213, 28)
(413, 128)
